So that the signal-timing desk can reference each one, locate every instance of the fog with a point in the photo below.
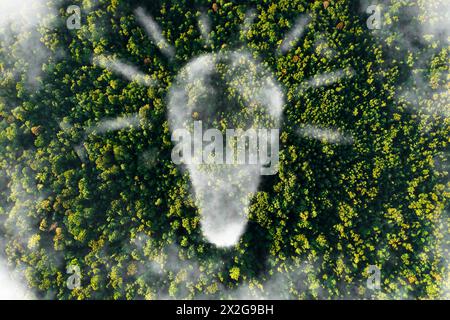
(223, 192)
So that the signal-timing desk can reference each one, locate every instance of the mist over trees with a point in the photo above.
(87, 180)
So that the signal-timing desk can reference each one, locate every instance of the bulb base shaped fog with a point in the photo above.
(223, 93)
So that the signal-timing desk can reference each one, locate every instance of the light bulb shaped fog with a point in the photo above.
(224, 114)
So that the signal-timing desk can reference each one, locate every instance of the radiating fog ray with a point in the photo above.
(325, 135)
(440, 107)
(129, 72)
(106, 125)
(154, 31)
(323, 48)
(325, 79)
(420, 91)
(249, 19)
(114, 124)
(294, 34)
(79, 148)
(204, 24)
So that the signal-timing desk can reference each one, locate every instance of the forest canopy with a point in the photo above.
(87, 182)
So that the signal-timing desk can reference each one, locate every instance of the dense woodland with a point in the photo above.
(114, 203)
